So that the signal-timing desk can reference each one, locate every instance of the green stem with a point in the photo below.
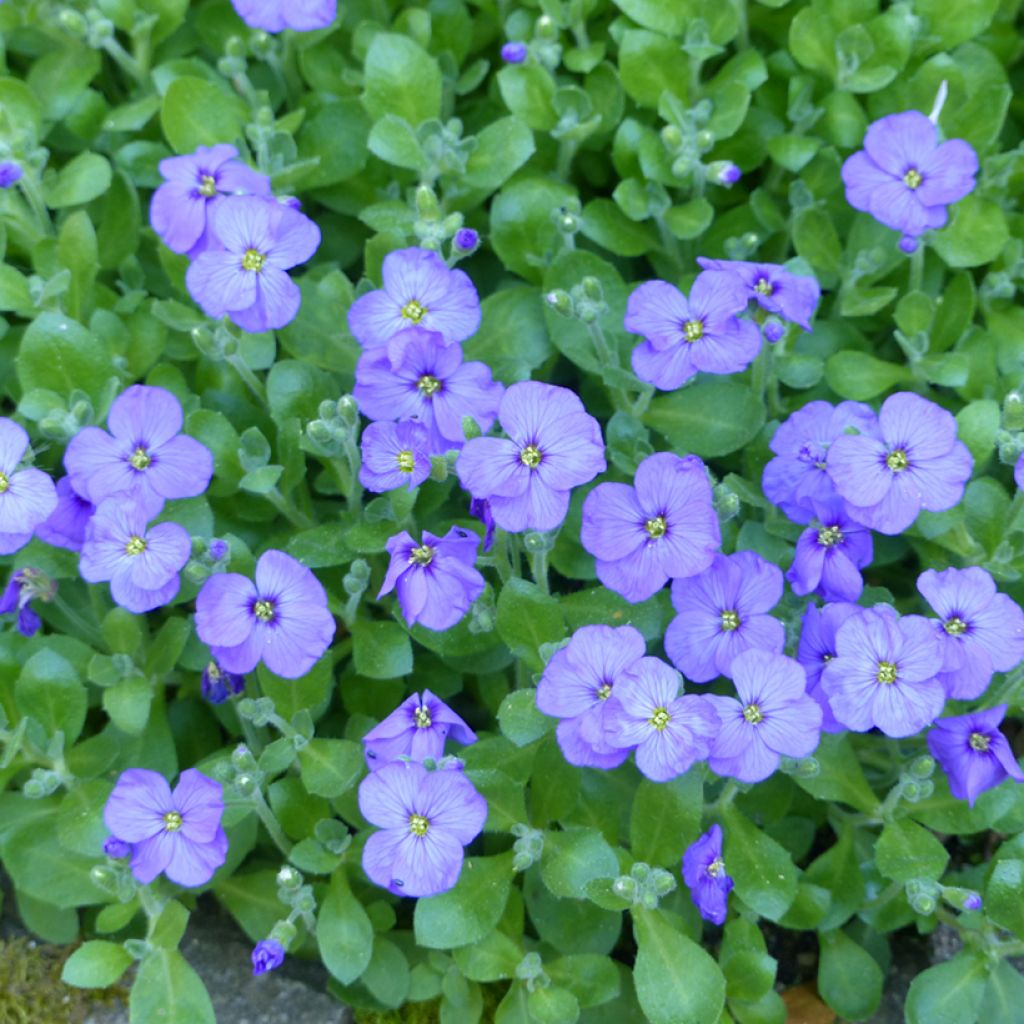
(539, 568)
(294, 516)
(251, 381)
(916, 272)
(695, 87)
(606, 357)
(669, 242)
(124, 60)
(152, 906)
(566, 154)
(743, 29)
(272, 825)
(89, 629)
(29, 185)
(354, 491)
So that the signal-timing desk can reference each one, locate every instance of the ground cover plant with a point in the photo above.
(516, 499)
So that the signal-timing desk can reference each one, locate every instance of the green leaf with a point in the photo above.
(762, 870)
(387, 974)
(196, 112)
(592, 979)
(400, 77)
(838, 870)
(59, 354)
(1004, 995)
(840, 776)
(335, 135)
(381, 649)
(604, 223)
(849, 978)
(574, 858)
(513, 336)
(527, 618)
(905, 851)
(493, 958)
(167, 989)
(665, 16)
(977, 425)
(1004, 895)
(529, 91)
(949, 993)
(523, 233)
(690, 220)
(858, 376)
(665, 818)
(344, 932)
(394, 140)
(651, 65)
(330, 767)
(815, 239)
(95, 964)
(553, 1006)
(170, 926)
(127, 703)
(520, 720)
(975, 235)
(51, 691)
(501, 149)
(468, 912)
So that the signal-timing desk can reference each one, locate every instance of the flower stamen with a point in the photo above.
(887, 673)
(531, 456)
(604, 691)
(422, 717)
(979, 741)
(897, 460)
(418, 825)
(140, 459)
(763, 287)
(263, 610)
(5, 483)
(207, 186)
(829, 536)
(254, 260)
(423, 555)
(693, 330)
(955, 626)
(406, 461)
(135, 546)
(660, 719)
(656, 527)
(753, 714)
(413, 311)
(428, 385)
(172, 821)
(716, 868)
(730, 621)
(912, 179)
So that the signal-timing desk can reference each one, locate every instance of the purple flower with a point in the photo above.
(298, 15)
(281, 619)
(269, 953)
(972, 901)
(884, 673)
(394, 455)
(773, 718)
(723, 612)
(817, 648)
(704, 875)
(663, 528)
(435, 580)
(911, 460)
(514, 53)
(65, 526)
(216, 685)
(425, 819)
(798, 475)
(904, 178)
(144, 456)
(683, 335)
(830, 554)
(419, 377)
(218, 549)
(794, 297)
(974, 753)
(246, 279)
(1018, 472)
(553, 445)
(176, 833)
(27, 496)
(10, 173)
(182, 209)
(480, 508)
(773, 330)
(980, 631)
(141, 564)
(668, 732)
(117, 848)
(576, 685)
(417, 729)
(419, 291)
(466, 240)
(25, 586)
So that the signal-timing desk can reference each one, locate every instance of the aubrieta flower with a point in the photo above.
(282, 619)
(798, 475)
(514, 53)
(577, 683)
(773, 718)
(911, 460)
(974, 753)
(1018, 472)
(10, 174)
(27, 496)
(904, 177)
(417, 729)
(394, 455)
(830, 554)
(884, 673)
(466, 240)
(419, 377)
(663, 528)
(145, 456)
(722, 612)
(435, 580)
(298, 15)
(725, 173)
(267, 955)
(65, 526)
(25, 586)
(979, 632)
(246, 279)
(480, 508)
(117, 849)
(176, 833)
(817, 647)
(216, 685)
(793, 297)
(553, 445)
(646, 714)
(685, 335)
(425, 820)
(704, 875)
(141, 563)
(181, 209)
(419, 291)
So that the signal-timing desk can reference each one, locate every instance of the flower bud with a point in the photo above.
(922, 767)
(514, 53)
(560, 302)
(289, 878)
(1013, 411)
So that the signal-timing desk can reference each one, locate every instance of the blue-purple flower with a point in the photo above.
(176, 833)
(425, 820)
(416, 729)
(246, 279)
(793, 297)
(646, 714)
(465, 241)
(577, 683)
(116, 848)
(722, 612)
(974, 753)
(553, 445)
(418, 376)
(830, 554)
(704, 875)
(480, 508)
(267, 955)
(979, 631)
(144, 457)
(65, 526)
(419, 291)
(904, 177)
(664, 527)
(911, 460)
(216, 685)
(817, 647)
(282, 619)
(773, 718)
(27, 496)
(884, 673)
(25, 586)
(1018, 472)
(514, 53)
(394, 455)
(10, 173)
(435, 580)
(685, 335)
(298, 15)
(182, 208)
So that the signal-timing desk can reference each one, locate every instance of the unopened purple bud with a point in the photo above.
(117, 848)
(908, 244)
(292, 202)
(10, 172)
(218, 549)
(729, 174)
(466, 240)
(267, 956)
(514, 53)
(773, 330)
(480, 508)
(217, 685)
(972, 901)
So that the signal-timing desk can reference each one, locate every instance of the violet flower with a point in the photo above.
(465, 241)
(553, 445)
(980, 631)
(176, 833)
(665, 527)
(10, 174)
(268, 955)
(416, 729)
(830, 554)
(514, 53)
(216, 685)
(722, 612)
(974, 753)
(435, 580)
(247, 278)
(480, 508)
(911, 460)
(793, 297)
(26, 585)
(65, 526)
(817, 647)
(1018, 472)
(27, 496)
(705, 876)
(577, 683)
(298, 15)
(394, 455)
(116, 848)
(282, 619)
(425, 820)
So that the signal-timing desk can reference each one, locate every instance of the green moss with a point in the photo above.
(411, 1013)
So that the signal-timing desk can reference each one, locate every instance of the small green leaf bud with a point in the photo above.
(427, 206)
(922, 767)
(289, 878)
(672, 137)
(625, 887)
(546, 27)
(283, 932)
(640, 871)
(242, 759)
(705, 140)
(245, 784)
(1013, 411)
(560, 302)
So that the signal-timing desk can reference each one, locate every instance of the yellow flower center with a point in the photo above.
(730, 622)
(422, 555)
(5, 484)
(172, 821)
(135, 546)
(413, 311)
(208, 186)
(660, 719)
(418, 825)
(140, 459)
(530, 456)
(897, 460)
(912, 179)
(978, 741)
(955, 626)
(428, 385)
(716, 868)
(829, 536)
(253, 259)
(693, 330)
(753, 714)
(263, 610)
(422, 717)
(886, 673)
(604, 691)
(656, 527)
(763, 286)
(406, 461)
